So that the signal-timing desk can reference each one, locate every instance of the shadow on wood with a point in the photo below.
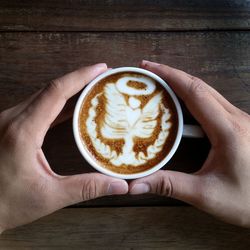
(127, 228)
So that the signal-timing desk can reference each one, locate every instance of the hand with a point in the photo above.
(29, 189)
(222, 186)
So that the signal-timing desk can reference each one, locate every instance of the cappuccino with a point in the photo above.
(128, 122)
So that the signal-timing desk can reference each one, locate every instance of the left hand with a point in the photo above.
(29, 189)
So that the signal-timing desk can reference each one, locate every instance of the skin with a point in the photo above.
(222, 186)
(29, 189)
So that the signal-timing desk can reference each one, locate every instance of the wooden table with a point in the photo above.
(40, 41)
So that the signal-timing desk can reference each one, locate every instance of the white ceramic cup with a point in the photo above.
(183, 130)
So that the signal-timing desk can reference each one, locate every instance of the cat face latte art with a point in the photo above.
(127, 122)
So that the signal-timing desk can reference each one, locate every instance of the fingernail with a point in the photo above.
(141, 188)
(101, 65)
(145, 63)
(118, 187)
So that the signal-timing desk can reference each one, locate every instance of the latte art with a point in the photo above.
(126, 122)
(122, 86)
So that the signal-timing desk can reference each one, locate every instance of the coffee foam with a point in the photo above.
(126, 128)
(123, 87)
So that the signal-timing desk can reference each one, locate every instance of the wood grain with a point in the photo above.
(28, 61)
(127, 228)
(42, 40)
(122, 15)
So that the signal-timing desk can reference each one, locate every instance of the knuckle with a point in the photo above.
(196, 87)
(239, 128)
(14, 133)
(55, 86)
(165, 186)
(243, 114)
(11, 132)
(164, 69)
(162, 66)
(89, 189)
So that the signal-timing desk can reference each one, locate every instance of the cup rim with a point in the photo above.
(87, 155)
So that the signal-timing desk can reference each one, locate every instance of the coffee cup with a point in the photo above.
(128, 123)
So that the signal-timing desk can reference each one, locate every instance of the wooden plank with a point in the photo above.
(127, 228)
(123, 15)
(29, 60)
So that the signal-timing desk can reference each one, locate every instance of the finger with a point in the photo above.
(40, 114)
(173, 184)
(67, 111)
(14, 111)
(223, 101)
(64, 115)
(196, 95)
(83, 187)
(229, 107)
(24, 104)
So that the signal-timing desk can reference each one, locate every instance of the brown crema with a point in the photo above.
(140, 144)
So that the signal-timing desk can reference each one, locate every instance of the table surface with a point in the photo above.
(40, 41)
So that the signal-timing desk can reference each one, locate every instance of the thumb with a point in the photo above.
(173, 184)
(83, 187)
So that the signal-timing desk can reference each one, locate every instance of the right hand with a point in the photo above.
(222, 186)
